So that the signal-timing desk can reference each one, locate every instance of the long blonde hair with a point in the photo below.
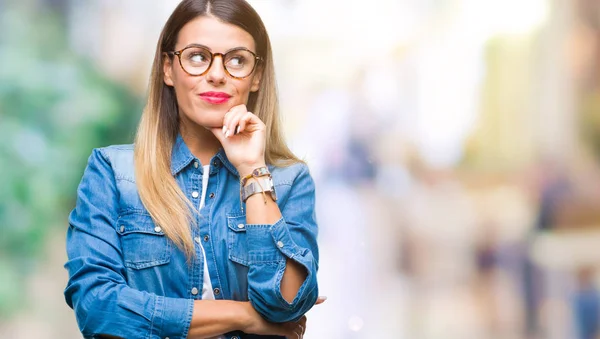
(159, 125)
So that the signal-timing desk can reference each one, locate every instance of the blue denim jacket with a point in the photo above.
(127, 279)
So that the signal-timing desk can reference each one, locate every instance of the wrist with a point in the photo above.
(247, 169)
(244, 315)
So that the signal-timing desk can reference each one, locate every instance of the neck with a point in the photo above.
(201, 142)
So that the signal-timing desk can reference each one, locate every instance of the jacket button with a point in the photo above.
(195, 194)
(241, 226)
(122, 228)
(196, 164)
(194, 291)
(212, 195)
(217, 291)
(235, 337)
(279, 244)
(157, 229)
(206, 237)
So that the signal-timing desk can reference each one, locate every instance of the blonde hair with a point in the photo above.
(159, 125)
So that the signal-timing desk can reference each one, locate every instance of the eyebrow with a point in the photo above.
(208, 48)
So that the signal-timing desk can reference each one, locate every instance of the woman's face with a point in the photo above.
(204, 100)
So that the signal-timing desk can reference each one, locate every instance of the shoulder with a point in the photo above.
(116, 152)
(118, 157)
(289, 175)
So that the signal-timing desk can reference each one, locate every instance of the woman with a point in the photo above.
(205, 227)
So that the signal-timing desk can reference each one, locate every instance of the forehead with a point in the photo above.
(219, 36)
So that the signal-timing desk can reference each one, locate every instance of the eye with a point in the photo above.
(197, 56)
(236, 61)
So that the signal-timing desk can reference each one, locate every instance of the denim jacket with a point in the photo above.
(127, 279)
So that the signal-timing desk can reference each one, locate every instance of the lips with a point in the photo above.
(215, 97)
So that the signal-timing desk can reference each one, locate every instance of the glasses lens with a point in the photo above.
(195, 60)
(239, 63)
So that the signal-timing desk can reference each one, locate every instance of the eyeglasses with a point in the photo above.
(196, 60)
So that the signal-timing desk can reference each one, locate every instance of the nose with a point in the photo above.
(216, 73)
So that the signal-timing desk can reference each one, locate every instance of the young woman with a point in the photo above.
(205, 227)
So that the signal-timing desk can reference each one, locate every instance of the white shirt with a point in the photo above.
(207, 290)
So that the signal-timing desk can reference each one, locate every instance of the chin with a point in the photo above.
(204, 122)
(208, 118)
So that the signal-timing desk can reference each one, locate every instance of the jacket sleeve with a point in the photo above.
(294, 236)
(97, 289)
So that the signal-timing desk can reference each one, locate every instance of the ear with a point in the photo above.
(256, 79)
(167, 70)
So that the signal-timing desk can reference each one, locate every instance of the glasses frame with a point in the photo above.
(212, 58)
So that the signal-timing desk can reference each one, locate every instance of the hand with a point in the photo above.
(291, 330)
(243, 137)
(255, 324)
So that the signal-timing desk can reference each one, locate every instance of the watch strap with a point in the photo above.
(255, 187)
(256, 173)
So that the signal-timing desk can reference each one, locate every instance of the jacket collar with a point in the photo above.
(181, 157)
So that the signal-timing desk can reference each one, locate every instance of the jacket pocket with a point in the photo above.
(236, 238)
(143, 243)
(251, 244)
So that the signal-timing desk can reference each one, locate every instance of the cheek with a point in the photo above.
(243, 90)
(185, 82)
(184, 88)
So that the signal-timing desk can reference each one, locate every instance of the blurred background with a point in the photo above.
(455, 146)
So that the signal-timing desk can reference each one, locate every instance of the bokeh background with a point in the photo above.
(455, 146)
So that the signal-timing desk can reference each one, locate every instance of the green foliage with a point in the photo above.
(54, 108)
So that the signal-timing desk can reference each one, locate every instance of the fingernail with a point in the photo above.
(224, 129)
(227, 134)
(237, 130)
(322, 297)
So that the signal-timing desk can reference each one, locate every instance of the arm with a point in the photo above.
(97, 289)
(215, 317)
(260, 213)
(280, 242)
(286, 291)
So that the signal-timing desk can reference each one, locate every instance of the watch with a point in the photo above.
(254, 187)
